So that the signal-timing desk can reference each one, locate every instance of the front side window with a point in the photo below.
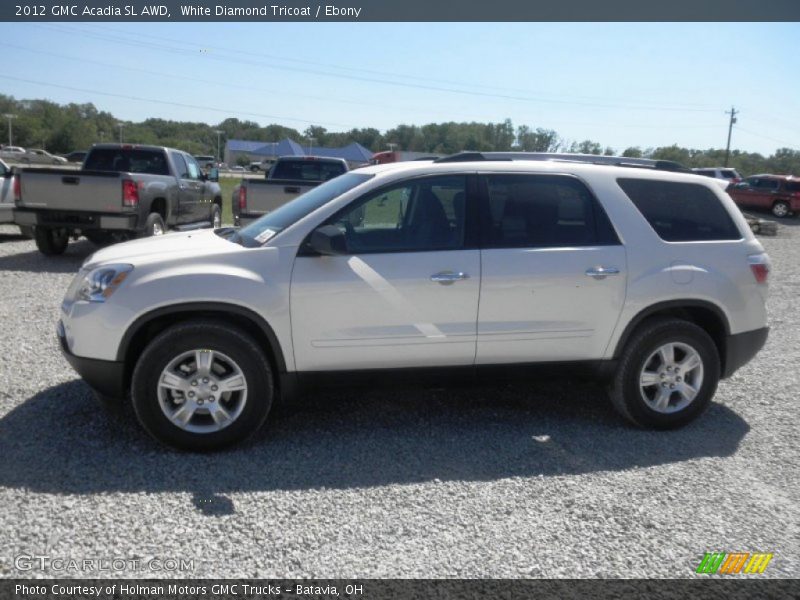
(192, 168)
(532, 211)
(414, 216)
(181, 170)
(681, 212)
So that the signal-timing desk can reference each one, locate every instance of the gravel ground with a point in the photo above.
(513, 481)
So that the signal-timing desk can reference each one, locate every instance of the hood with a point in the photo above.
(168, 246)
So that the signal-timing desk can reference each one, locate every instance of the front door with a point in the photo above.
(553, 271)
(405, 294)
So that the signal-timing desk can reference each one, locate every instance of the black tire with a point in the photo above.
(154, 225)
(216, 216)
(27, 231)
(625, 392)
(51, 242)
(781, 209)
(208, 335)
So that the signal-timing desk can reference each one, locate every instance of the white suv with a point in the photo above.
(457, 265)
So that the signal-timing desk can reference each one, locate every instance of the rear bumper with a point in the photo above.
(740, 348)
(105, 376)
(247, 218)
(74, 220)
(6, 213)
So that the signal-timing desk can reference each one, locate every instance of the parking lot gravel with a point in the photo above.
(534, 480)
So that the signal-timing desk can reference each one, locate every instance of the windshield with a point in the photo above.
(264, 228)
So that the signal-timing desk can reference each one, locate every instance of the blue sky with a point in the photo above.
(639, 84)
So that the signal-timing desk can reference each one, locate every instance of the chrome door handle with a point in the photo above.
(601, 272)
(448, 277)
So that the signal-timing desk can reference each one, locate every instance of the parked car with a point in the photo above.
(650, 276)
(289, 177)
(76, 156)
(122, 191)
(206, 162)
(724, 173)
(12, 153)
(777, 193)
(37, 156)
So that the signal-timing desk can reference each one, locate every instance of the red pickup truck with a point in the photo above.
(777, 193)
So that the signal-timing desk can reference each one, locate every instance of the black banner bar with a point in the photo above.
(401, 10)
(712, 587)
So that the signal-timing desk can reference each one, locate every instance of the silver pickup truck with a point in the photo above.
(122, 191)
(289, 177)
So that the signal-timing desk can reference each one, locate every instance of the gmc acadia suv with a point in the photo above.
(462, 264)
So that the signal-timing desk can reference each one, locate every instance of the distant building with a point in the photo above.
(355, 154)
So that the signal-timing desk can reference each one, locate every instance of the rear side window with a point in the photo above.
(307, 170)
(129, 160)
(681, 212)
(793, 186)
(728, 174)
(533, 211)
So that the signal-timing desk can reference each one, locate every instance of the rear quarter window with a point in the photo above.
(681, 212)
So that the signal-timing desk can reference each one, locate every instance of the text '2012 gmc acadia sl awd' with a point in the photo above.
(464, 263)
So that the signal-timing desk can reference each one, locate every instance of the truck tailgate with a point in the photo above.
(266, 196)
(62, 189)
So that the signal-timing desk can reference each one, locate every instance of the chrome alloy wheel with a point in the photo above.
(202, 391)
(671, 377)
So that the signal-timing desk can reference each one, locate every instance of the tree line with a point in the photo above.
(63, 128)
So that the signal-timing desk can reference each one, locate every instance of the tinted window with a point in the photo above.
(728, 174)
(766, 184)
(152, 162)
(303, 205)
(193, 168)
(528, 211)
(417, 215)
(181, 170)
(793, 186)
(681, 212)
(307, 170)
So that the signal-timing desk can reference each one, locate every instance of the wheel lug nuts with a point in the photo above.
(191, 394)
(211, 398)
(672, 386)
(663, 385)
(194, 382)
(214, 388)
(205, 379)
(677, 379)
(200, 401)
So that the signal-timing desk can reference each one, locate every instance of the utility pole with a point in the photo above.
(732, 113)
(391, 146)
(120, 125)
(219, 133)
(9, 116)
(311, 140)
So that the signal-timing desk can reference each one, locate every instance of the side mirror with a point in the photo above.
(328, 240)
(213, 174)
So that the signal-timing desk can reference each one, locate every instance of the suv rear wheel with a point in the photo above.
(667, 374)
(781, 209)
(202, 385)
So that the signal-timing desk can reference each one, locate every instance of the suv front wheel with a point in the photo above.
(667, 374)
(202, 385)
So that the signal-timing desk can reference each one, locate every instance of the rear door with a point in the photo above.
(553, 271)
(190, 193)
(201, 210)
(405, 294)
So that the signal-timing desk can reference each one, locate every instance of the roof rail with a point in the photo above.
(617, 161)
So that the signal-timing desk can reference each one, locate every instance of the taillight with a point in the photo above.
(242, 198)
(759, 265)
(17, 189)
(130, 193)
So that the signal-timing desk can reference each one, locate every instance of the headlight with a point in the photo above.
(97, 284)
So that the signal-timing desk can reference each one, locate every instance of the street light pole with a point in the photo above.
(219, 133)
(9, 116)
(120, 125)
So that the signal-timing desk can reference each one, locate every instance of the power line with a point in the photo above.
(173, 49)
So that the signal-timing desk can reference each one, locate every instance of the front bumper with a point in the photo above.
(740, 348)
(76, 220)
(105, 376)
